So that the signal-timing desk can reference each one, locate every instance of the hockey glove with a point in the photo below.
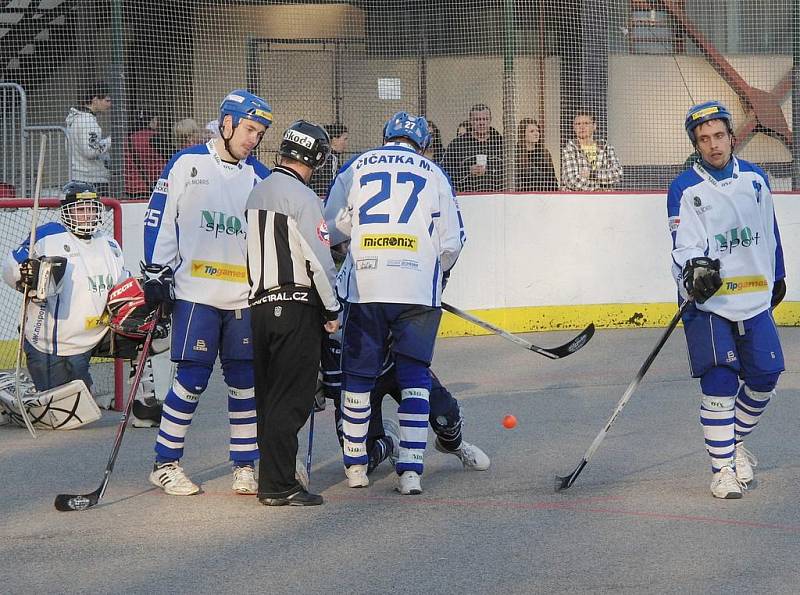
(445, 279)
(158, 286)
(701, 278)
(778, 292)
(29, 274)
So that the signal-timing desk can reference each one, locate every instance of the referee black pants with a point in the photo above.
(287, 339)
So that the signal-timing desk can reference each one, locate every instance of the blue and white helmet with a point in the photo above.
(241, 103)
(413, 128)
(703, 112)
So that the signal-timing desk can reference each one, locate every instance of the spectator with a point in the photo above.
(534, 165)
(586, 163)
(143, 161)
(90, 150)
(322, 177)
(212, 129)
(435, 150)
(475, 159)
(187, 132)
(463, 128)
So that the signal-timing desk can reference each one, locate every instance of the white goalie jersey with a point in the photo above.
(70, 323)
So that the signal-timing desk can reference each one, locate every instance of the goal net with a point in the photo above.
(15, 227)
(634, 66)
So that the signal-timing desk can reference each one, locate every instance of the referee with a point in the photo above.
(293, 299)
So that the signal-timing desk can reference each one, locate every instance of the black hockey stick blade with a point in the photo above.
(562, 483)
(564, 350)
(574, 345)
(68, 502)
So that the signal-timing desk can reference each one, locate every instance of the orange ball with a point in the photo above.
(509, 422)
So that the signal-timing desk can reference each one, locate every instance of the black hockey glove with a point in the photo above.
(701, 278)
(29, 273)
(158, 286)
(778, 292)
(445, 279)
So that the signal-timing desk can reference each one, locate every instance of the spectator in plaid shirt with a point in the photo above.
(586, 163)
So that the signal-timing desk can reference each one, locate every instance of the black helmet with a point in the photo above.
(81, 209)
(307, 143)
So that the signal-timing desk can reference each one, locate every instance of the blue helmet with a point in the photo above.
(413, 128)
(703, 112)
(241, 103)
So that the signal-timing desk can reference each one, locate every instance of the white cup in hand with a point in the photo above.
(480, 160)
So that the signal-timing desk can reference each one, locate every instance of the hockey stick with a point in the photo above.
(310, 442)
(562, 483)
(555, 353)
(23, 314)
(67, 502)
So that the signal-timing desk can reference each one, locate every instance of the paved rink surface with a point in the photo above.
(640, 518)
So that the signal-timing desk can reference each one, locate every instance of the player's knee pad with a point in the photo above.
(765, 383)
(412, 373)
(715, 403)
(238, 373)
(192, 376)
(759, 396)
(444, 408)
(357, 384)
(719, 381)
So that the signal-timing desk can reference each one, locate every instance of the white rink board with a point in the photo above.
(557, 249)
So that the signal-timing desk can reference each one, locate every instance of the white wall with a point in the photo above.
(559, 249)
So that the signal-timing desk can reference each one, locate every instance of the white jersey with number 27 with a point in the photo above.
(399, 211)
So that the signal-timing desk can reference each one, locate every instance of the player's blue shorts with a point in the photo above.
(200, 332)
(366, 326)
(716, 341)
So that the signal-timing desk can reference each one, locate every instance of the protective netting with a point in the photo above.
(632, 66)
(15, 226)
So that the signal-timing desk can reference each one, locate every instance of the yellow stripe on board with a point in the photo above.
(555, 318)
(538, 318)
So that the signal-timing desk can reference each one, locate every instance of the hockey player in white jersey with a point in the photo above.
(399, 211)
(727, 257)
(195, 259)
(63, 327)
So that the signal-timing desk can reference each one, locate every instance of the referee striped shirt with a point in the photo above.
(288, 249)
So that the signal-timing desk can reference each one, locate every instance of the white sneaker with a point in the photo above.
(408, 483)
(392, 430)
(356, 476)
(171, 478)
(745, 461)
(471, 456)
(244, 480)
(301, 474)
(725, 484)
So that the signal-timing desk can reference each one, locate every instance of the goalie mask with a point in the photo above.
(128, 312)
(81, 209)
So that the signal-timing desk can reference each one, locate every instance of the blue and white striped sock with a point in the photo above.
(355, 423)
(176, 417)
(242, 418)
(716, 416)
(413, 415)
(750, 405)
